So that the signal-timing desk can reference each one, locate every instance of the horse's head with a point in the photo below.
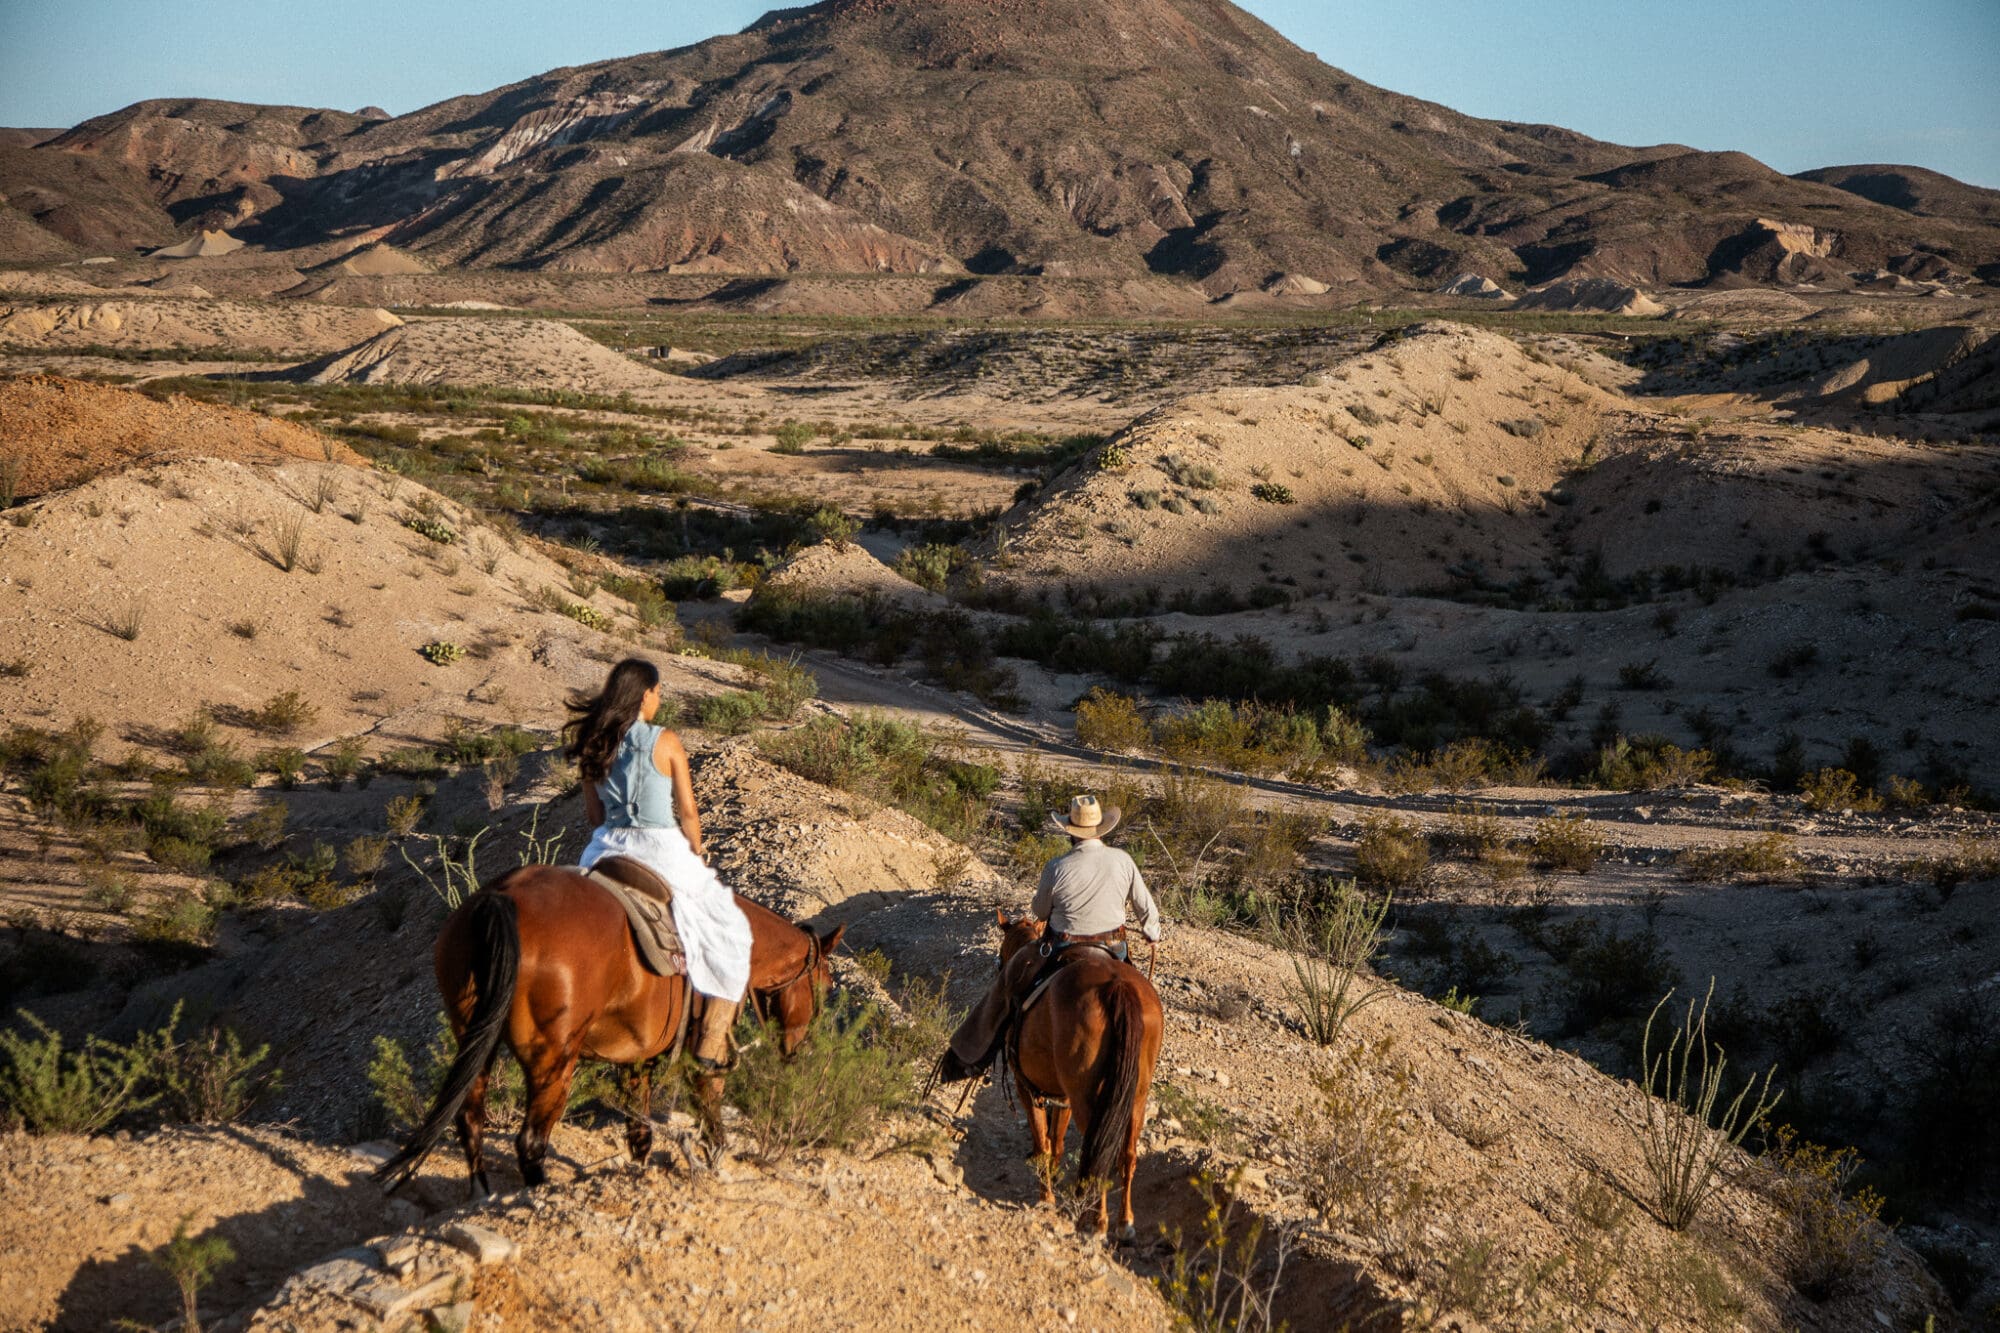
(1016, 934)
(796, 1002)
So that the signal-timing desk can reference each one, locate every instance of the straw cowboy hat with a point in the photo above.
(1087, 819)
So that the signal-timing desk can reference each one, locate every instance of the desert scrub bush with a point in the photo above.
(1566, 842)
(283, 714)
(1761, 857)
(1355, 1152)
(832, 1093)
(124, 620)
(1391, 853)
(895, 762)
(435, 529)
(176, 925)
(1221, 1280)
(1331, 948)
(1649, 763)
(1837, 1234)
(1468, 832)
(211, 1078)
(1194, 476)
(342, 760)
(46, 1090)
(192, 1263)
(1525, 428)
(1607, 976)
(1273, 492)
(931, 565)
(1831, 789)
(1109, 721)
(1686, 1132)
(834, 527)
(285, 763)
(442, 652)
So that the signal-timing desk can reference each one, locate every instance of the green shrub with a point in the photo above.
(210, 1078)
(1764, 856)
(1110, 721)
(441, 652)
(1391, 853)
(1836, 1230)
(895, 762)
(286, 763)
(283, 714)
(48, 1091)
(1831, 789)
(342, 761)
(179, 922)
(931, 566)
(1272, 492)
(832, 1093)
(833, 527)
(1608, 976)
(1468, 832)
(1566, 842)
(792, 438)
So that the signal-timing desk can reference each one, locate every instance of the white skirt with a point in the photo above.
(713, 929)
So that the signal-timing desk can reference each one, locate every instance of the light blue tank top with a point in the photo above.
(635, 793)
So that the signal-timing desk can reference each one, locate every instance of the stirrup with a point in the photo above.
(709, 1066)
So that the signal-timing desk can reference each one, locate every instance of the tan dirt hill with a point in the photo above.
(57, 432)
(531, 352)
(161, 322)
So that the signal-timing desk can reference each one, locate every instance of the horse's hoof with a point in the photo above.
(1128, 1234)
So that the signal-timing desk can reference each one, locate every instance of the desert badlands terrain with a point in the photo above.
(1562, 591)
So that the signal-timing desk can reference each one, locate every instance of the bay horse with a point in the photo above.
(1087, 1047)
(543, 959)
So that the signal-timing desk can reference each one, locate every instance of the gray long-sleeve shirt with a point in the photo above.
(1085, 892)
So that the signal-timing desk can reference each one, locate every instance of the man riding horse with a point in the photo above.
(1084, 896)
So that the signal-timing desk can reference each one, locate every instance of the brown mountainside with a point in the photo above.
(1112, 140)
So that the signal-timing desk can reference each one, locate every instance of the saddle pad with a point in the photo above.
(652, 922)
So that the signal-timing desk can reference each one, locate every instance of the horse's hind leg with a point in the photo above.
(548, 1094)
(638, 1113)
(472, 1133)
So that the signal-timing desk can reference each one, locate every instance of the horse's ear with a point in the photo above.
(831, 940)
(1000, 915)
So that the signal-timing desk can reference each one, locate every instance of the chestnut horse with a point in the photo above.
(1087, 1047)
(543, 958)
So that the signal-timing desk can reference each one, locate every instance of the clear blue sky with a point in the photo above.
(1796, 84)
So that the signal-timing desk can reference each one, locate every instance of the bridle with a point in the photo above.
(814, 956)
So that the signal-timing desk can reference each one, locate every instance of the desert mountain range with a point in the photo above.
(1095, 139)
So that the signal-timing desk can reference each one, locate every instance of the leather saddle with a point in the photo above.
(635, 877)
(648, 903)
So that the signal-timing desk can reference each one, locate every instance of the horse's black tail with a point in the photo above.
(496, 965)
(1116, 1099)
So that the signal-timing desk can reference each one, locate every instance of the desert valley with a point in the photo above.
(1534, 600)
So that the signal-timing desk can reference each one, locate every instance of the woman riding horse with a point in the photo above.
(638, 793)
(543, 958)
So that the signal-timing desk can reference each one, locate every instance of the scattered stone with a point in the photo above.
(389, 1301)
(118, 1203)
(487, 1247)
(449, 1318)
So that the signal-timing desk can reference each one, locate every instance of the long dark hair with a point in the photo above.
(598, 722)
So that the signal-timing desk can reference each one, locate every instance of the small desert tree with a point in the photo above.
(191, 1261)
